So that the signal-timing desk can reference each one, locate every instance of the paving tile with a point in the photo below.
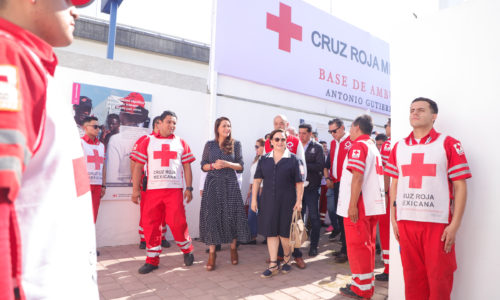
(118, 277)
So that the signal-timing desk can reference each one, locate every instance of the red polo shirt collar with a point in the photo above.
(35, 44)
(362, 137)
(162, 137)
(87, 139)
(429, 138)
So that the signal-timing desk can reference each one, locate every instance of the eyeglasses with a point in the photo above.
(95, 126)
(277, 140)
(257, 146)
(333, 131)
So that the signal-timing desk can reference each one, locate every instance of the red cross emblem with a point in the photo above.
(458, 148)
(417, 170)
(284, 27)
(96, 159)
(165, 155)
(356, 153)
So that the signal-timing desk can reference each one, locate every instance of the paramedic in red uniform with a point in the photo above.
(361, 201)
(142, 244)
(428, 171)
(40, 157)
(94, 156)
(168, 160)
(384, 220)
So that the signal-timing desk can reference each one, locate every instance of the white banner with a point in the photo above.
(294, 46)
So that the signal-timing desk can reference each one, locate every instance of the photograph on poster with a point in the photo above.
(124, 116)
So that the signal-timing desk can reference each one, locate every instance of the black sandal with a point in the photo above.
(285, 268)
(271, 271)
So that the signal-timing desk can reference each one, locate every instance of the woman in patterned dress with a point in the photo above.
(222, 215)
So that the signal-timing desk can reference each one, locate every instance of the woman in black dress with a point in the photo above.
(222, 214)
(283, 177)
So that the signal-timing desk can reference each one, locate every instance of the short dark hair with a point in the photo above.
(306, 126)
(381, 136)
(337, 122)
(167, 113)
(111, 117)
(432, 103)
(89, 119)
(365, 123)
(322, 142)
(156, 120)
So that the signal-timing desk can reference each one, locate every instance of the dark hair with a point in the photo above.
(365, 123)
(167, 113)
(156, 120)
(271, 135)
(381, 136)
(337, 122)
(262, 143)
(266, 137)
(228, 143)
(111, 117)
(432, 103)
(389, 121)
(89, 119)
(322, 142)
(306, 126)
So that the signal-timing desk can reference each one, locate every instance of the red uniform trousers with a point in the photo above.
(360, 239)
(10, 247)
(141, 230)
(427, 269)
(164, 204)
(95, 190)
(322, 204)
(384, 230)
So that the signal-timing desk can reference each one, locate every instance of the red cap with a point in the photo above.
(81, 3)
(131, 102)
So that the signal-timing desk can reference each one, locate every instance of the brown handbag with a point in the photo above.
(298, 232)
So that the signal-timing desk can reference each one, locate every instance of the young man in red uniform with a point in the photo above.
(384, 220)
(41, 159)
(361, 200)
(295, 146)
(168, 160)
(339, 147)
(164, 242)
(94, 156)
(428, 195)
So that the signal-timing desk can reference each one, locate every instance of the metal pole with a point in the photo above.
(112, 28)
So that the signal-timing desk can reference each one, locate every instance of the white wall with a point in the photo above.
(453, 58)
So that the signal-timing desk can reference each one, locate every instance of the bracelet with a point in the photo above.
(211, 166)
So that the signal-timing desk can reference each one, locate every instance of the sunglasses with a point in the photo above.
(333, 131)
(277, 140)
(95, 126)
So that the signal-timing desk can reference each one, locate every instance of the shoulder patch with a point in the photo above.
(10, 98)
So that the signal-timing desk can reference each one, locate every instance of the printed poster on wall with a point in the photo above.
(124, 116)
(294, 46)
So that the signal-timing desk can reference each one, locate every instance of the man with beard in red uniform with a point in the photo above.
(384, 220)
(295, 146)
(41, 158)
(142, 244)
(168, 160)
(361, 201)
(428, 195)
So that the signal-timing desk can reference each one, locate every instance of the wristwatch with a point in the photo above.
(189, 188)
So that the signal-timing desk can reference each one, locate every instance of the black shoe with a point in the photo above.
(188, 259)
(382, 277)
(217, 248)
(147, 268)
(165, 244)
(252, 242)
(97, 253)
(341, 258)
(313, 252)
(346, 291)
(333, 235)
(142, 245)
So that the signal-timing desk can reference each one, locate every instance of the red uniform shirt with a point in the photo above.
(356, 156)
(344, 147)
(385, 151)
(458, 168)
